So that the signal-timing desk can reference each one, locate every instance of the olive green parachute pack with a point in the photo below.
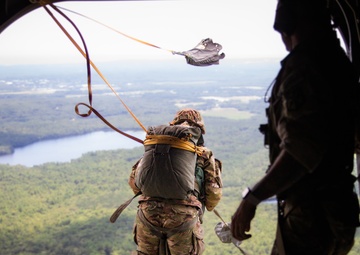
(167, 169)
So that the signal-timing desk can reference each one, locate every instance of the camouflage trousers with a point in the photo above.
(164, 218)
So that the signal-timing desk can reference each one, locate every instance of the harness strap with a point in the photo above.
(89, 63)
(164, 233)
(121, 208)
(117, 31)
(92, 109)
(174, 142)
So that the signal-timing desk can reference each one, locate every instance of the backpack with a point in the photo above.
(167, 168)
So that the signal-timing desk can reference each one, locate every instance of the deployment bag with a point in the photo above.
(167, 168)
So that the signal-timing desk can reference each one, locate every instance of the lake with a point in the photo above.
(68, 148)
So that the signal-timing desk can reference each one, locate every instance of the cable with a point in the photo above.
(123, 34)
(89, 62)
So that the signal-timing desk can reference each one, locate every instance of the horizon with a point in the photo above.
(242, 28)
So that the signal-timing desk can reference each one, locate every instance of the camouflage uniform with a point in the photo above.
(177, 222)
(311, 116)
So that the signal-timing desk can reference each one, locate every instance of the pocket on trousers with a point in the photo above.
(198, 239)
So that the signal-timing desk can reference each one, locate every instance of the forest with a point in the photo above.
(64, 208)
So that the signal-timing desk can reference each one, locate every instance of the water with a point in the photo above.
(66, 149)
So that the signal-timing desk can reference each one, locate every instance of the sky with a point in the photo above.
(244, 28)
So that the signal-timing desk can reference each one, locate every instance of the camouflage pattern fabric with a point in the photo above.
(213, 182)
(191, 116)
(168, 216)
(206, 53)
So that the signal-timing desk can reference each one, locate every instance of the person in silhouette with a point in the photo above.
(310, 133)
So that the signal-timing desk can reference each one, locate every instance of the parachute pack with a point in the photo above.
(168, 169)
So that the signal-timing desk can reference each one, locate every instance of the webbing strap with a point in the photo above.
(174, 142)
(108, 123)
(119, 32)
(89, 62)
(122, 207)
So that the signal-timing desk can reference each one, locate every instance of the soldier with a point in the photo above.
(173, 226)
(311, 130)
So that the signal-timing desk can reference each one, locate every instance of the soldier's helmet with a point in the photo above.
(190, 115)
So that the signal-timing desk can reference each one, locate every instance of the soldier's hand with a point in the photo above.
(240, 221)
